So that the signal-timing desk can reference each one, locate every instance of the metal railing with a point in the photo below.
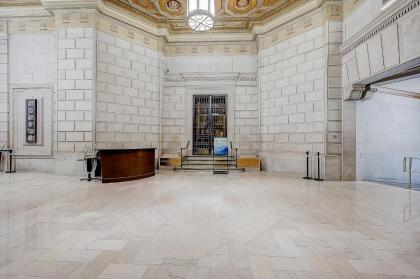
(408, 168)
(182, 149)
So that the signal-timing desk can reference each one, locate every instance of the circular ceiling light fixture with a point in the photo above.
(200, 15)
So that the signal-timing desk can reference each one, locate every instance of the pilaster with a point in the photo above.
(4, 98)
(76, 55)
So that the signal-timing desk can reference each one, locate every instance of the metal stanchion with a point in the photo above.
(307, 166)
(408, 167)
(319, 168)
(11, 167)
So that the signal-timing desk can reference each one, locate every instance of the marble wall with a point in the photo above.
(32, 65)
(128, 83)
(76, 60)
(4, 109)
(387, 131)
(381, 49)
(358, 14)
(230, 75)
(32, 58)
(301, 100)
(75, 103)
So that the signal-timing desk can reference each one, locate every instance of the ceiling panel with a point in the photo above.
(231, 15)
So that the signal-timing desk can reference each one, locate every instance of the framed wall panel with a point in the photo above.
(32, 120)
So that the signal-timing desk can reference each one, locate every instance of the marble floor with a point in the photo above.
(200, 226)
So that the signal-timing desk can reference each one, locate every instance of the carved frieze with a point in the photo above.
(210, 49)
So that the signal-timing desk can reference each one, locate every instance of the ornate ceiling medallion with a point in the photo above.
(173, 5)
(172, 8)
(200, 15)
(237, 8)
(242, 4)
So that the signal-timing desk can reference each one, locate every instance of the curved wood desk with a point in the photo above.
(127, 164)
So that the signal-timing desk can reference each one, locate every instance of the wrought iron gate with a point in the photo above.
(209, 122)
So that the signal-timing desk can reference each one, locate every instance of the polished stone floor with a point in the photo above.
(196, 226)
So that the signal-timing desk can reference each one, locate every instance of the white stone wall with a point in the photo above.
(247, 125)
(217, 63)
(32, 62)
(387, 131)
(293, 76)
(75, 84)
(334, 105)
(391, 49)
(128, 83)
(173, 118)
(366, 12)
(243, 93)
(33, 59)
(4, 109)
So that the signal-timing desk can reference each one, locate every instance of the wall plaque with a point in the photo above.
(31, 120)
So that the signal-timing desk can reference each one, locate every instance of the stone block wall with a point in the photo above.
(173, 118)
(300, 105)
(382, 48)
(32, 59)
(216, 63)
(231, 75)
(387, 131)
(128, 81)
(4, 109)
(247, 126)
(292, 77)
(32, 64)
(333, 106)
(75, 87)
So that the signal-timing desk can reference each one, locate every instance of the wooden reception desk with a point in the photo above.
(127, 164)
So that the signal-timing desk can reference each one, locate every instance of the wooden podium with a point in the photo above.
(127, 164)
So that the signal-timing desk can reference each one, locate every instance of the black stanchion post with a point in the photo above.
(319, 168)
(307, 166)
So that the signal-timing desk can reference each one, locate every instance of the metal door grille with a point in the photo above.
(209, 122)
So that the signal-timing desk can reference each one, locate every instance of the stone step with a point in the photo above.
(206, 169)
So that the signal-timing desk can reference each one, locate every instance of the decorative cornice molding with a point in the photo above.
(66, 4)
(181, 77)
(35, 25)
(23, 11)
(213, 48)
(325, 11)
(126, 31)
(377, 26)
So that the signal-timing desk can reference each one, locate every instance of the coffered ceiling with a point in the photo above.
(231, 15)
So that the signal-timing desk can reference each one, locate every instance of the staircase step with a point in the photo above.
(206, 169)
(210, 161)
(206, 164)
(207, 157)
